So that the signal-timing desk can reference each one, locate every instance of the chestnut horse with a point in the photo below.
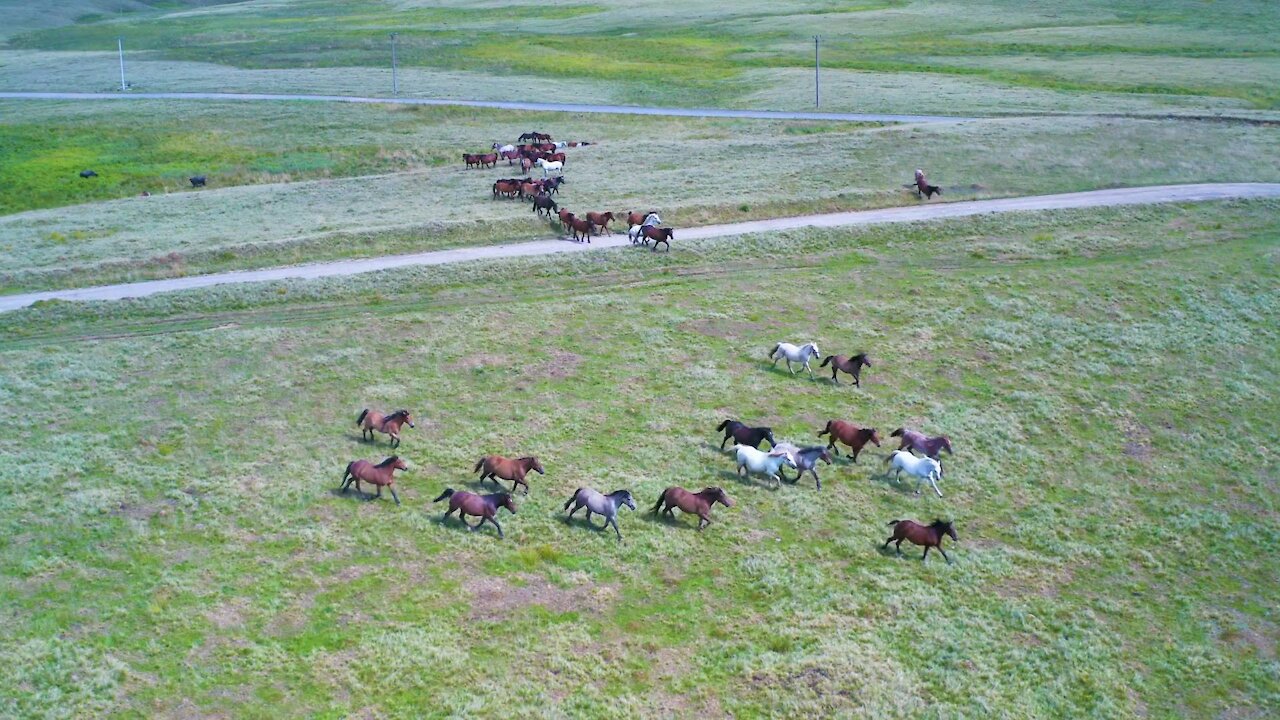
(583, 226)
(492, 467)
(371, 420)
(921, 443)
(484, 507)
(381, 475)
(696, 503)
(849, 434)
(601, 220)
(743, 435)
(639, 218)
(850, 365)
(930, 536)
(657, 235)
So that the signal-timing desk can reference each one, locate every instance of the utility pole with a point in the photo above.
(395, 82)
(120, 47)
(817, 88)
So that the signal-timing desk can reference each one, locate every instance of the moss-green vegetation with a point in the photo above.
(172, 544)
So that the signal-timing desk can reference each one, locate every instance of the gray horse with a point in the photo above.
(806, 459)
(606, 505)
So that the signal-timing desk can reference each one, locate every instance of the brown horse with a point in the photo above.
(930, 536)
(525, 165)
(697, 503)
(658, 235)
(635, 218)
(601, 220)
(371, 420)
(557, 157)
(489, 160)
(921, 443)
(472, 160)
(492, 467)
(849, 434)
(924, 188)
(381, 475)
(484, 507)
(564, 215)
(506, 188)
(583, 226)
(850, 365)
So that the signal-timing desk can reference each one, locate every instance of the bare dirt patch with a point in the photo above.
(228, 615)
(144, 511)
(1138, 442)
(496, 598)
(562, 364)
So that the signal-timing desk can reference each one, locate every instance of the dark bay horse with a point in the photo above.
(371, 420)
(849, 434)
(696, 503)
(492, 467)
(484, 507)
(581, 226)
(924, 188)
(850, 365)
(657, 235)
(743, 435)
(930, 536)
(921, 443)
(601, 504)
(382, 475)
(542, 201)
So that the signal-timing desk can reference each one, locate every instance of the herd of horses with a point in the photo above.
(536, 149)
(749, 457)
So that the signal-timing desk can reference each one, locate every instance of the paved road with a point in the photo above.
(929, 211)
(501, 105)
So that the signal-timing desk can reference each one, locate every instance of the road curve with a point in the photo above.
(935, 211)
(497, 104)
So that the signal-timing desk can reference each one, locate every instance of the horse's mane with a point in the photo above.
(939, 523)
(813, 448)
(389, 461)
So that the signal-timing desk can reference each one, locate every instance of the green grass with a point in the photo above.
(175, 548)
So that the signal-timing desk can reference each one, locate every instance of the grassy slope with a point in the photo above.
(697, 171)
(173, 549)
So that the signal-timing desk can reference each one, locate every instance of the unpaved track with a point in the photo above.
(497, 104)
(926, 211)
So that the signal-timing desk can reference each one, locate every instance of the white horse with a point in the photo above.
(650, 220)
(504, 148)
(605, 505)
(561, 144)
(556, 167)
(801, 354)
(922, 467)
(765, 463)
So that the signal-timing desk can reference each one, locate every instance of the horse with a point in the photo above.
(504, 148)
(552, 185)
(792, 353)
(549, 167)
(197, 180)
(484, 507)
(564, 215)
(507, 188)
(88, 174)
(489, 160)
(471, 160)
(922, 468)
(371, 420)
(528, 189)
(638, 218)
(528, 137)
(601, 220)
(851, 365)
(381, 475)
(558, 157)
(525, 165)
(542, 201)
(766, 463)
(604, 505)
(510, 156)
(580, 225)
(806, 460)
(696, 503)
(924, 188)
(921, 443)
(849, 434)
(743, 435)
(496, 466)
(930, 536)
(657, 235)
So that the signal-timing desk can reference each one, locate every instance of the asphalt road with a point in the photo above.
(924, 211)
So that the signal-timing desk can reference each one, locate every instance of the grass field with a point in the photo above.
(176, 549)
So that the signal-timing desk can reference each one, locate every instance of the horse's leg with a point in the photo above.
(926, 553)
(495, 524)
(588, 516)
(614, 522)
(806, 367)
(576, 507)
(703, 521)
(934, 483)
(886, 543)
(899, 546)
(815, 477)
(394, 495)
(725, 440)
(944, 554)
(834, 379)
(450, 512)
(378, 496)
(855, 454)
(789, 368)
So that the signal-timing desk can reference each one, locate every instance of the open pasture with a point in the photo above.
(174, 543)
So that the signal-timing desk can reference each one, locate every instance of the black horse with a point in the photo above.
(198, 180)
(744, 435)
(542, 201)
(88, 174)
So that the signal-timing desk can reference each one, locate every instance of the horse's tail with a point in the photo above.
(826, 360)
(889, 457)
(347, 472)
(572, 498)
(894, 522)
(774, 351)
(723, 425)
(448, 492)
(658, 504)
(479, 464)
(825, 430)
(363, 414)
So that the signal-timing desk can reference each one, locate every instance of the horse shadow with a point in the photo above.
(675, 521)
(352, 494)
(581, 521)
(903, 487)
(748, 480)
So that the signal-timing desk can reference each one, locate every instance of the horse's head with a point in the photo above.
(767, 434)
(407, 417)
(813, 351)
(861, 359)
(624, 498)
(533, 464)
(718, 496)
(503, 500)
(824, 455)
(946, 528)
(873, 436)
(396, 462)
(946, 444)
(919, 174)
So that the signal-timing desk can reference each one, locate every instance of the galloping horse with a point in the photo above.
(769, 464)
(806, 460)
(371, 420)
(492, 467)
(850, 365)
(743, 435)
(601, 220)
(696, 503)
(793, 353)
(930, 536)
(484, 507)
(605, 505)
(849, 434)
(636, 223)
(922, 468)
(382, 475)
(657, 235)
(921, 443)
(581, 226)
